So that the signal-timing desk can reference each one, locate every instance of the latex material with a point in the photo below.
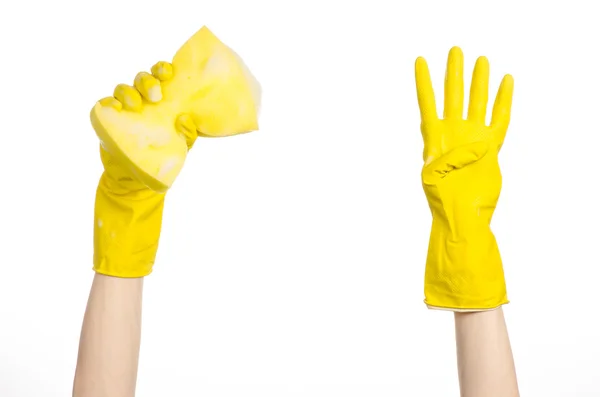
(127, 222)
(149, 127)
(462, 182)
(207, 82)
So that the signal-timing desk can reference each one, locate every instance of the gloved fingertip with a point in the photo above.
(148, 86)
(162, 70)
(129, 97)
(111, 102)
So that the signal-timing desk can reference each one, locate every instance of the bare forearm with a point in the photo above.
(110, 339)
(485, 361)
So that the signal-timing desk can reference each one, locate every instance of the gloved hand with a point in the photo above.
(145, 132)
(462, 181)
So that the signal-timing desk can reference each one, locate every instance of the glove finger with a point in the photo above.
(162, 70)
(454, 86)
(425, 94)
(478, 98)
(148, 86)
(111, 102)
(129, 97)
(185, 126)
(502, 107)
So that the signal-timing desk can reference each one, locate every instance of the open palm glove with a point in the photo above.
(462, 181)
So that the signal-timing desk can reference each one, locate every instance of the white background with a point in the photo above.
(291, 260)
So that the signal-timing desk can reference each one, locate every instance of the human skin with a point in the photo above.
(485, 361)
(109, 346)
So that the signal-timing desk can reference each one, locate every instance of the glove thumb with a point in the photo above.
(454, 160)
(185, 125)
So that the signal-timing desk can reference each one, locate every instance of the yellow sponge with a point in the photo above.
(207, 83)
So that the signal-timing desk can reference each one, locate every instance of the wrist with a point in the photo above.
(464, 269)
(461, 225)
(127, 229)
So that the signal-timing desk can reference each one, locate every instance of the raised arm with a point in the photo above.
(145, 132)
(110, 338)
(127, 224)
(462, 181)
(485, 361)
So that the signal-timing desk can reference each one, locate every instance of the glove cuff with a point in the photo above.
(464, 274)
(126, 230)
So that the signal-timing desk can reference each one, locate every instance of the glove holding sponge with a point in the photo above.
(146, 131)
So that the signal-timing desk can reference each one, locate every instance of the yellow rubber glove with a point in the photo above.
(462, 181)
(145, 132)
